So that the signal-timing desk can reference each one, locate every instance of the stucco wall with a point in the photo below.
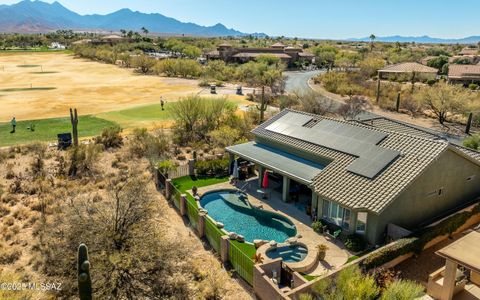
(418, 204)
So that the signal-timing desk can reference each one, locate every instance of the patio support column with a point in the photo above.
(286, 189)
(261, 170)
(168, 188)
(231, 158)
(449, 280)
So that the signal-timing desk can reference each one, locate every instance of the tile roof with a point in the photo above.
(408, 67)
(464, 71)
(336, 183)
(258, 54)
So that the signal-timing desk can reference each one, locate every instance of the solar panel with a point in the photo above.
(352, 140)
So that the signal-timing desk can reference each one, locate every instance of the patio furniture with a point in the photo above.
(335, 234)
(262, 194)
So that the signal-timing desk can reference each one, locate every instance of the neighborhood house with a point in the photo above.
(363, 176)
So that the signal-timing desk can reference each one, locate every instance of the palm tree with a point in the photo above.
(372, 39)
(145, 31)
(123, 32)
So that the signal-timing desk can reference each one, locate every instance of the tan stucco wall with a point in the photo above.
(414, 206)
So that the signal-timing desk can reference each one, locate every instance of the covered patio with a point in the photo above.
(460, 277)
(289, 176)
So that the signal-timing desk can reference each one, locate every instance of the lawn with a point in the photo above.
(145, 115)
(47, 129)
(186, 183)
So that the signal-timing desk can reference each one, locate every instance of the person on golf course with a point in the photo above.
(13, 122)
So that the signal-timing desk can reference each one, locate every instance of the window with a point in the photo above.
(361, 226)
(333, 212)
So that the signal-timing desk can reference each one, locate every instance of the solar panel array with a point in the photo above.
(349, 139)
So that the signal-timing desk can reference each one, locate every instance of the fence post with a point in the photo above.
(191, 167)
(201, 224)
(168, 189)
(224, 248)
(157, 178)
(183, 203)
(469, 123)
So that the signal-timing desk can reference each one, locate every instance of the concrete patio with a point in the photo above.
(337, 255)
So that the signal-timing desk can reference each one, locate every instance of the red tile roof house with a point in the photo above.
(464, 74)
(289, 55)
(365, 175)
(405, 71)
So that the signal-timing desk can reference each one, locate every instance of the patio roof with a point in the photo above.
(464, 251)
(279, 161)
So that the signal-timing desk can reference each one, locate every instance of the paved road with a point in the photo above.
(298, 81)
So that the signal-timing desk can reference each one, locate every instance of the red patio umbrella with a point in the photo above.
(265, 180)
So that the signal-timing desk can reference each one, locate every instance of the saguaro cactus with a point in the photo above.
(84, 279)
(74, 121)
(263, 105)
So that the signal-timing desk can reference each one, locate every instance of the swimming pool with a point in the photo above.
(232, 208)
(289, 253)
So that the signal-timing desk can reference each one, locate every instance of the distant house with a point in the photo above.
(288, 55)
(469, 51)
(363, 176)
(405, 71)
(82, 42)
(464, 74)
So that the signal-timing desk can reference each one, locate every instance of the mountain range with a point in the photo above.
(40, 17)
(421, 39)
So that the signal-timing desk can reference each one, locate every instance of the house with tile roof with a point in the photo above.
(464, 74)
(406, 71)
(363, 176)
(289, 55)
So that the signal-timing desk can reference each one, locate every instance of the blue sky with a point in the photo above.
(310, 18)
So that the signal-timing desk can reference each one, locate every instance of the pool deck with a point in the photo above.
(337, 254)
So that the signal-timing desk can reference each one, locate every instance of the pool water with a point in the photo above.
(293, 253)
(232, 208)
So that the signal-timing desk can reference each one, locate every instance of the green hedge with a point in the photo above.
(216, 166)
(416, 242)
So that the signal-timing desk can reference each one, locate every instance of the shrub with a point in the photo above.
(390, 252)
(355, 243)
(431, 82)
(472, 142)
(473, 86)
(212, 167)
(82, 159)
(149, 145)
(321, 251)
(166, 166)
(402, 290)
(317, 226)
(110, 138)
(9, 255)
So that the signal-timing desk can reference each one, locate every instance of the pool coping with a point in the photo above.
(302, 266)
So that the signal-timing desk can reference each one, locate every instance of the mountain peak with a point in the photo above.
(39, 16)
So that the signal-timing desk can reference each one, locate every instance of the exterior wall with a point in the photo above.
(418, 205)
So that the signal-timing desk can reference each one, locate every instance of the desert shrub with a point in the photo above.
(472, 142)
(110, 138)
(9, 255)
(133, 242)
(153, 146)
(166, 166)
(186, 68)
(143, 63)
(473, 86)
(21, 213)
(10, 174)
(431, 82)
(4, 210)
(331, 81)
(212, 167)
(350, 283)
(3, 156)
(355, 243)
(402, 290)
(82, 159)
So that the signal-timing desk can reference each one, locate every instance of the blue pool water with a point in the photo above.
(232, 208)
(294, 253)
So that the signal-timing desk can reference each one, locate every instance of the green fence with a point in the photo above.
(213, 234)
(192, 212)
(176, 194)
(241, 262)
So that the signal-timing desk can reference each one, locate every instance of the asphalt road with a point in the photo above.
(298, 80)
